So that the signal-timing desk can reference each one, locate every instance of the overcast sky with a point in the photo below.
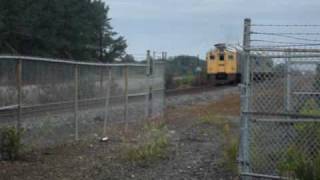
(194, 26)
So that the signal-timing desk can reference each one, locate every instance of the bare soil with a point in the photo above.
(196, 150)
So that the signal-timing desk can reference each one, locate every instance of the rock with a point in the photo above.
(104, 139)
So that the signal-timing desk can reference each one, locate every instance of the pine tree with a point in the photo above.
(77, 29)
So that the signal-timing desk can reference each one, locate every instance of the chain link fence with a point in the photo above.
(280, 119)
(56, 101)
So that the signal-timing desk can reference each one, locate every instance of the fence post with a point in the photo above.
(106, 112)
(154, 55)
(126, 96)
(152, 67)
(101, 79)
(164, 85)
(245, 93)
(19, 92)
(288, 83)
(148, 70)
(76, 102)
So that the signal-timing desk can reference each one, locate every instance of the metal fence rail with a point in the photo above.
(280, 119)
(58, 101)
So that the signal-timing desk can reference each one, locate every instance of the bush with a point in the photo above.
(11, 145)
(188, 80)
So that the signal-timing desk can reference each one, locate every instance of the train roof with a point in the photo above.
(223, 46)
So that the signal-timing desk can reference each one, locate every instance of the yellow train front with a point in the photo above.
(223, 65)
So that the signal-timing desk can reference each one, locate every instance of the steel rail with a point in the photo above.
(262, 176)
(66, 106)
(61, 106)
(176, 92)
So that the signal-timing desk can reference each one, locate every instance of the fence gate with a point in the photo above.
(280, 115)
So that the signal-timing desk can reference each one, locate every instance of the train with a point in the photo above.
(225, 65)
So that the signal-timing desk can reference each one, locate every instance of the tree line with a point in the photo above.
(72, 29)
(183, 65)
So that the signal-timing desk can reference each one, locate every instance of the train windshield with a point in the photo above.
(221, 57)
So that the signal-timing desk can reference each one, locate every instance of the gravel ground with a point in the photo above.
(195, 151)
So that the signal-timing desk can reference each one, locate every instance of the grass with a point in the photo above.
(230, 149)
(212, 119)
(230, 142)
(299, 166)
(186, 81)
(10, 145)
(151, 145)
(302, 160)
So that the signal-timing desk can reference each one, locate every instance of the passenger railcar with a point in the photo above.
(225, 65)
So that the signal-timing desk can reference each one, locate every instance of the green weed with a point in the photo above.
(300, 163)
(211, 119)
(11, 144)
(230, 149)
(299, 166)
(152, 145)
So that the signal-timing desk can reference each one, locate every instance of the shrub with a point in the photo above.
(11, 145)
(188, 80)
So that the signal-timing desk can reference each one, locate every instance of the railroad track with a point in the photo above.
(195, 90)
(63, 107)
(68, 106)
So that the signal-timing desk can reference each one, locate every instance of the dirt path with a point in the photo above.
(196, 150)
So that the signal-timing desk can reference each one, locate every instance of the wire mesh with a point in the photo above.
(281, 101)
(158, 89)
(92, 86)
(267, 86)
(281, 93)
(271, 143)
(47, 103)
(117, 97)
(137, 92)
(8, 92)
(64, 100)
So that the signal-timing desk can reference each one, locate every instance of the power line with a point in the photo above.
(293, 45)
(287, 25)
(292, 33)
(287, 36)
(276, 42)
